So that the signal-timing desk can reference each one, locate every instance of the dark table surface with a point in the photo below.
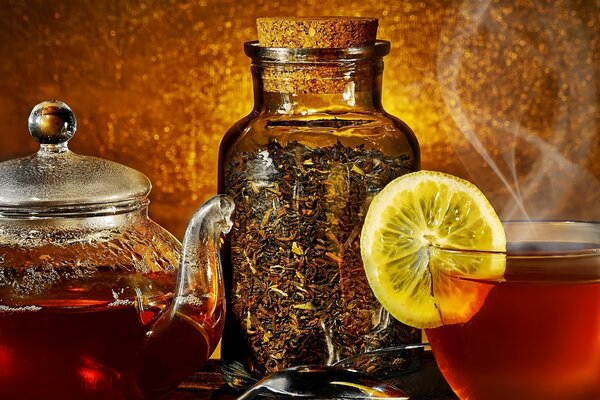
(207, 384)
(204, 384)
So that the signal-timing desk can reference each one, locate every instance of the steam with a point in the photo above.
(542, 169)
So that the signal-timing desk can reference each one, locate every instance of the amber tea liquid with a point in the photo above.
(537, 335)
(79, 351)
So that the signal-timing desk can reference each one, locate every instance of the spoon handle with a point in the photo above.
(254, 391)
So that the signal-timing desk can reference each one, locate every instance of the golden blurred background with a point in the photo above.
(504, 93)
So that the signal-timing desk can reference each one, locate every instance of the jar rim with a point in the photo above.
(313, 55)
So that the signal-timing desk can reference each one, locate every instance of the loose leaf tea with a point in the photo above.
(299, 293)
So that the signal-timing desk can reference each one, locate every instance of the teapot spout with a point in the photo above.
(191, 327)
(200, 280)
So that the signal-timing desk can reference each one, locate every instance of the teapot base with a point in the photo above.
(93, 353)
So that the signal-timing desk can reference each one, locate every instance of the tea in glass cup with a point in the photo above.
(537, 333)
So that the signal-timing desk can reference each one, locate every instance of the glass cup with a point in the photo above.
(536, 334)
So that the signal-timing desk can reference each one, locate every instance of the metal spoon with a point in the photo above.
(320, 382)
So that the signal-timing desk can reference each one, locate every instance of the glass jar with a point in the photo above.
(302, 168)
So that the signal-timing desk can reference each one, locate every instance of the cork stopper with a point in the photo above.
(316, 32)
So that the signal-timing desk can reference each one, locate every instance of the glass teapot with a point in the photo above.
(97, 301)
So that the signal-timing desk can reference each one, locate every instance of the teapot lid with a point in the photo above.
(56, 181)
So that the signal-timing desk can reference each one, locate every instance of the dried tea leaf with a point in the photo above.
(297, 249)
(305, 306)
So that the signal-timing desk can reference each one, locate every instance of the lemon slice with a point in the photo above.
(409, 244)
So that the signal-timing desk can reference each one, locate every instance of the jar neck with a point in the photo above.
(312, 88)
(312, 81)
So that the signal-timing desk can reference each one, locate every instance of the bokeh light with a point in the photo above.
(496, 91)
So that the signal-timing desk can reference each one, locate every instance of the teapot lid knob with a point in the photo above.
(52, 123)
